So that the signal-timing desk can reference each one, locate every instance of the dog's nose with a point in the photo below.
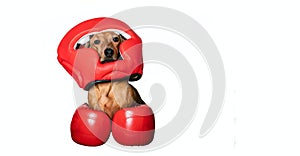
(108, 52)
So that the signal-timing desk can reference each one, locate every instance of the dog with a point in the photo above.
(110, 97)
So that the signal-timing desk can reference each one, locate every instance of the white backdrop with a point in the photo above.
(259, 44)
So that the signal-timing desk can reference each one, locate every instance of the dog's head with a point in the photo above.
(106, 44)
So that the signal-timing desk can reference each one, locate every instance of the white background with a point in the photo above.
(258, 41)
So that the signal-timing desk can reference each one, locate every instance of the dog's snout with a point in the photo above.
(108, 52)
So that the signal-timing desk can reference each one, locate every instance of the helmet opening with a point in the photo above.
(86, 38)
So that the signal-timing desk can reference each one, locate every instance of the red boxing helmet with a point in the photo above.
(83, 64)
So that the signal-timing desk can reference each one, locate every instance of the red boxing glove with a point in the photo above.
(134, 126)
(90, 127)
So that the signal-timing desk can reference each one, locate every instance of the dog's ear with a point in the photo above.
(91, 36)
(122, 38)
(78, 45)
(88, 44)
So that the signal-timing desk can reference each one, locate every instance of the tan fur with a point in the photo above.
(106, 41)
(111, 96)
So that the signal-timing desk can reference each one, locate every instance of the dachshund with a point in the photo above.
(110, 97)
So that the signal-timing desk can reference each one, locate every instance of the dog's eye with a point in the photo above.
(96, 41)
(116, 39)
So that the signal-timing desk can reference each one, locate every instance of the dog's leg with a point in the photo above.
(108, 105)
(136, 96)
(93, 98)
